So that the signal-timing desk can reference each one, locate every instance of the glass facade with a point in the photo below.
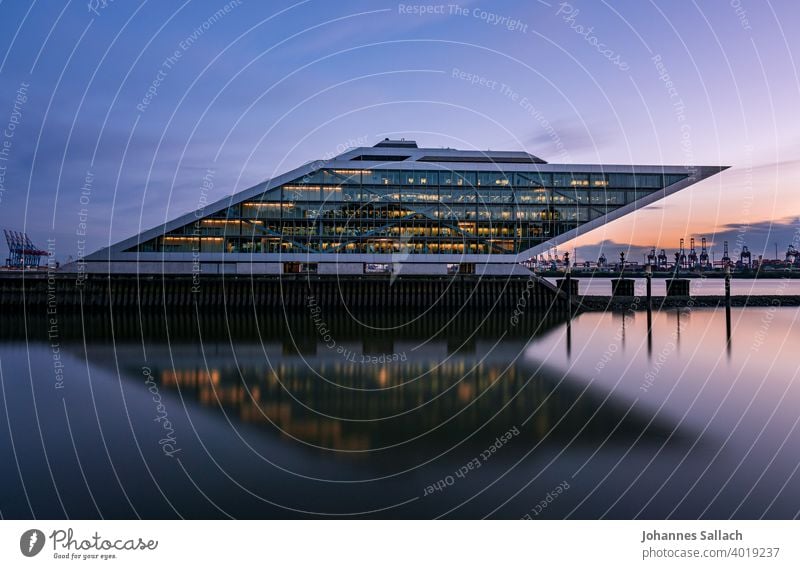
(411, 211)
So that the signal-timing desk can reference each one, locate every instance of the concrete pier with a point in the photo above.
(622, 287)
(573, 286)
(289, 291)
(223, 292)
(677, 287)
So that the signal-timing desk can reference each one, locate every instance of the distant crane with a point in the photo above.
(680, 258)
(21, 250)
(703, 253)
(651, 257)
(692, 254)
(745, 254)
(726, 260)
(792, 255)
(662, 259)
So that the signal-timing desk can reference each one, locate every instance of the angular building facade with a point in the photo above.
(396, 208)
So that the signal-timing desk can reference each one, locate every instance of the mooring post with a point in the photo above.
(728, 328)
(728, 308)
(569, 285)
(727, 285)
(648, 275)
(569, 338)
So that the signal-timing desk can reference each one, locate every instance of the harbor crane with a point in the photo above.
(22, 253)
(726, 260)
(680, 257)
(792, 255)
(651, 257)
(692, 254)
(662, 259)
(745, 258)
(703, 253)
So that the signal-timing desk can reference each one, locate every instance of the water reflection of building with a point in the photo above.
(265, 399)
(455, 375)
(450, 398)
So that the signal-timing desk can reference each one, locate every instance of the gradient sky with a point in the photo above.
(272, 85)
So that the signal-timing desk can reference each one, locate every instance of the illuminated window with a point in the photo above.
(460, 268)
(377, 268)
(300, 268)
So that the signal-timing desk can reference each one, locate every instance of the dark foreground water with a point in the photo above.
(397, 416)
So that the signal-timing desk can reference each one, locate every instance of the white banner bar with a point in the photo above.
(399, 544)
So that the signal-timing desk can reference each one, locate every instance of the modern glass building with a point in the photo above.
(396, 208)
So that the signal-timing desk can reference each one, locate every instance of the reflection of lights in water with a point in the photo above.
(223, 395)
(465, 392)
(434, 392)
(189, 377)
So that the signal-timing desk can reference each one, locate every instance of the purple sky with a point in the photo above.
(266, 86)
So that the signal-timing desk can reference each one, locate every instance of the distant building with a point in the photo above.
(397, 208)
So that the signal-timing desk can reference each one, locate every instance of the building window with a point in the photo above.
(377, 268)
(674, 178)
(180, 244)
(300, 268)
(460, 268)
(212, 245)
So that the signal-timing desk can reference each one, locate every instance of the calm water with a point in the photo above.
(698, 287)
(417, 416)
